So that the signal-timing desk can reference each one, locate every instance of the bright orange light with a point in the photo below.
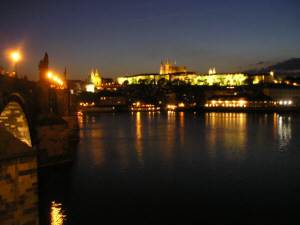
(55, 78)
(49, 75)
(15, 56)
(57, 216)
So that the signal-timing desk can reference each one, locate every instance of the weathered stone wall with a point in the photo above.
(19, 191)
(73, 127)
(63, 101)
(44, 97)
(53, 144)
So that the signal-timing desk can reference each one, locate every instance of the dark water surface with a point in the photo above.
(157, 168)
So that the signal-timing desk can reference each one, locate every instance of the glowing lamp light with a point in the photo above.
(49, 75)
(15, 56)
(55, 78)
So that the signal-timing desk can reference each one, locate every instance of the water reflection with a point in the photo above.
(284, 132)
(139, 141)
(228, 130)
(156, 166)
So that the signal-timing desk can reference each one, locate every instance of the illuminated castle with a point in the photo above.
(180, 75)
(169, 69)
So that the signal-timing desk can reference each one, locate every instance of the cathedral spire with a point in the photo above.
(162, 69)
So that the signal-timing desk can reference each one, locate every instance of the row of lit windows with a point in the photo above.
(225, 105)
(105, 98)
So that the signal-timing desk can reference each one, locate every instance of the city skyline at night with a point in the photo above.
(133, 37)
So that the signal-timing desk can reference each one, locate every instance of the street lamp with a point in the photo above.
(15, 56)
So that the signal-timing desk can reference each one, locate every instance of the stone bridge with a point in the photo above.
(23, 102)
(35, 125)
(19, 107)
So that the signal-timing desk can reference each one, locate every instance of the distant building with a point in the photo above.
(181, 75)
(90, 86)
(108, 98)
(241, 100)
(283, 95)
(95, 83)
(96, 79)
(76, 86)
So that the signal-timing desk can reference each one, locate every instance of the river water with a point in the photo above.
(158, 168)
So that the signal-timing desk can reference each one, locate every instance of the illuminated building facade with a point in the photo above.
(242, 100)
(95, 79)
(171, 74)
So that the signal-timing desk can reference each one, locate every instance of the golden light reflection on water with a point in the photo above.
(97, 150)
(139, 141)
(229, 129)
(182, 135)
(170, 136)
(57, 216)
(284, 131)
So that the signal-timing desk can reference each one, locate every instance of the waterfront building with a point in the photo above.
(284, 95)
(108, 98)
(241, 100)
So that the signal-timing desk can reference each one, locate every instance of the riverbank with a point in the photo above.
(293, 109)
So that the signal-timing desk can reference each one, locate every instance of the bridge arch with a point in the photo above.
(13, 118)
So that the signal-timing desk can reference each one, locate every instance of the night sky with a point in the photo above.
(134, 36)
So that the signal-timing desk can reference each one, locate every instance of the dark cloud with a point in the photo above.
(290, 67)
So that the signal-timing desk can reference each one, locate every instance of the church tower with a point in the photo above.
(168, 66)
(162, 69)
(44, 68)
(92, 76)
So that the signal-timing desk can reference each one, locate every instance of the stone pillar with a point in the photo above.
(18, 182)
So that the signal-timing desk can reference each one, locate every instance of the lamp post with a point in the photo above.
(15, 56)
